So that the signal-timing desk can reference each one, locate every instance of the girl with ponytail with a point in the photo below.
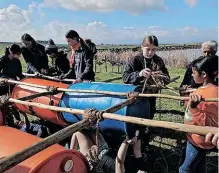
(201, 113)
(80, 59)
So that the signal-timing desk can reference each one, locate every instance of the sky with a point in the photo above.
(110, 21)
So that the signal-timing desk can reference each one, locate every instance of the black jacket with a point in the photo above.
(83, 65)
(188, 79)
(137, 63)
(59, 65)
(10, 68)
(35, 58)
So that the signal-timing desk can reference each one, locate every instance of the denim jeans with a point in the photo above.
(195, 160)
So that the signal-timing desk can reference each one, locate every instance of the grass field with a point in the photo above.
(166, 145)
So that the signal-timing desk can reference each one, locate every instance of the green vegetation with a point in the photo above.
(166, 145)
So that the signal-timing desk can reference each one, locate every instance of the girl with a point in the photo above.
(140, 69)
(200, 113)
(34, 55)
(105, 160)
(143, 65)
(80, 59)
(10, 65)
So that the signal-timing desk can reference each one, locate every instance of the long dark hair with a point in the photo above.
(28, 37)
(207, 64)
(74, 35)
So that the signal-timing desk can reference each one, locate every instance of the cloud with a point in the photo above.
(131, 6)
(15, 21)
(191, 3)
(128, 27)
(154, 27)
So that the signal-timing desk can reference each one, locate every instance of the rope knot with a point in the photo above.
(132, 94)
(3, 81)
(52, 89)
(4, 100)
(93, 116)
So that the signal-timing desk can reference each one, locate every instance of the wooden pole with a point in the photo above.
(43, 106)
(174, 79)
(38, 95)
(20, 156)
(14, 159)
(145, 122)
(112, 93)
(163, 124)
(120, 105)
(49, 77)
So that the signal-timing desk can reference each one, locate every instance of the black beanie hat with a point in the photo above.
(72, 34)
(51, 47)
(26, 37)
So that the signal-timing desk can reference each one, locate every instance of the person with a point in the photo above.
(10, 68)
(103, 159)
(143, 66)
(34, 55)
(31, 127)
(200, 113)
(10, 65)
(60, 63)
(80, 59)
(208, 48)
(92, 46)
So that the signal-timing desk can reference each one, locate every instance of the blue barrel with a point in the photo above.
(83, 101)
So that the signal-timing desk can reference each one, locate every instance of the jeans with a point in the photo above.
(195, 160)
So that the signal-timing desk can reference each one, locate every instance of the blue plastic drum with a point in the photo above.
(84, 101)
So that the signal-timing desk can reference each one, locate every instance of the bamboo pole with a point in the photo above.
(112, 93)
(38, 95)
(48, 77)
(14, 159)
(145, 122)
(120, 105)
(20, 156)
(163, 124)
(43, 106)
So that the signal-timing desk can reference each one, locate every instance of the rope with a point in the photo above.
(157, 78)
(93, 116)
(52, 89)
(3, 81)
(97, 134)
(132, 94)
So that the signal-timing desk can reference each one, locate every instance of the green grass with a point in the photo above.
(166, 145)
